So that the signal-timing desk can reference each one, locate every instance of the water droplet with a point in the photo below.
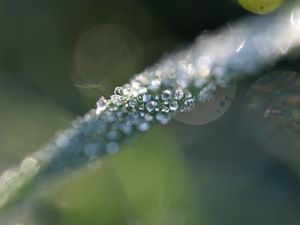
(62, 140)
(90, 150)
(113, 107)
(126, 128)
(151, 105)
(167, 82)
(146, 97)
(101, 127)
(178, 94)
(120, 113)
(133, 103)
(140, 98)
(141, 78)
(156, 97)
(166, 95)
(126, 91)
(163, 118)
(165, 109)
(112, 148)
(116, 100)
(119, 91)
(113, 135)
(174, 106)
(142, 113)
(154, 85)
(148, 117)
(109, 116)
(141, 107)
(188, 104)
(144, 126)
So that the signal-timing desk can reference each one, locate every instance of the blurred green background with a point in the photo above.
(57, 57)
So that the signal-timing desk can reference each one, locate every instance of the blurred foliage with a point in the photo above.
(27, 121)
(145, 184)
(57, 57)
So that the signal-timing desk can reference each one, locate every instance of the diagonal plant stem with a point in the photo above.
(154, 96)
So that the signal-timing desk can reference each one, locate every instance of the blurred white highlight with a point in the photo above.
(241, 46)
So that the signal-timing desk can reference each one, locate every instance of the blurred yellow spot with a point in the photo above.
(260, 6)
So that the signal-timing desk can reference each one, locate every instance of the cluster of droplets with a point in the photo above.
(132, 109)
(151, 97)
(136, 107)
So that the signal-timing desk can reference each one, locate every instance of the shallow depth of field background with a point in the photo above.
(57, 57)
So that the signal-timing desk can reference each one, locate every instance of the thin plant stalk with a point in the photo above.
(154, 96)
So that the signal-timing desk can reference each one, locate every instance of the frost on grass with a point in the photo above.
(154, 96)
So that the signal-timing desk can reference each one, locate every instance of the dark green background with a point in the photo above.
(215, 174)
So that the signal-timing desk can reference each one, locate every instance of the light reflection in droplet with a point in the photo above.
(241, 46)
(208, 111)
